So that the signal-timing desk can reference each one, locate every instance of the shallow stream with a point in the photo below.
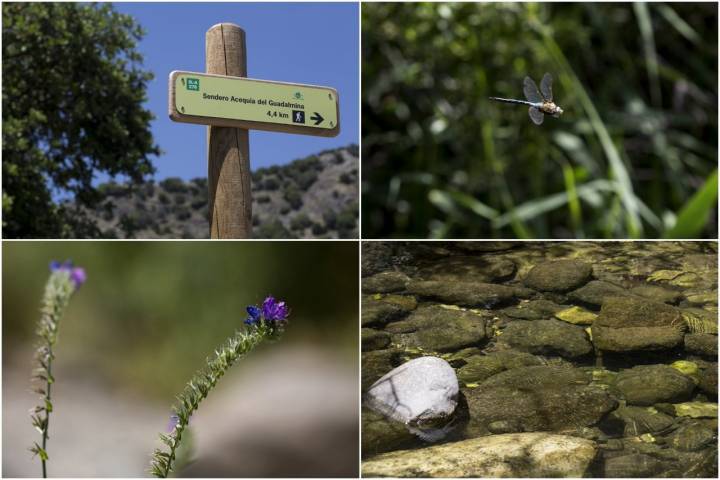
(593, 359)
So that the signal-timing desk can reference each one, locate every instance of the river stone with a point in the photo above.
(470, 294)
(639, 420)
(381, 435)
(377, 363)
(438, 329)
(486, 246)
(469, 268)
(481, 367)
(657, 293)
(595, 293)
(508, 455)
(702, 344)
(385, 282)
(636, 465)
(558, 275)
(537, 398)
(546, 337)
(649, 384)
(376, 257)
(421, 393)
(374, 339)
(533, 310)
(378, 310)
(692, 437)
(709, 380)
(628, 323)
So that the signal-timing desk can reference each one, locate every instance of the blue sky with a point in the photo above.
(313, 43)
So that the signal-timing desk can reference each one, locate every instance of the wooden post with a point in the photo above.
(229, 187)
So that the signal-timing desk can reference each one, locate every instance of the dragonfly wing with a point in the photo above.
(536, 115)
(546, 87)
(531, 91)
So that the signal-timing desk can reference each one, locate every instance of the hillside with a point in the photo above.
(313, 197)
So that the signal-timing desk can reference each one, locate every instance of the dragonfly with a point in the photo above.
(539, 101)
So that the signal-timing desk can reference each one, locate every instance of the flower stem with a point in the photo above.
(198, 388)
(63, 282)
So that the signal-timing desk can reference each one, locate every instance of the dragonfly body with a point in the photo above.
(540, 103)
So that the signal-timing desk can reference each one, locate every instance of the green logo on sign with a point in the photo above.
(298, 96)
(193, 84)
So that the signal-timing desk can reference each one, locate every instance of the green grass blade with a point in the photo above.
(694, 214)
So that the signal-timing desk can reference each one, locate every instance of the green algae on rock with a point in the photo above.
(507, 455)
(576, 316)
(696, 410)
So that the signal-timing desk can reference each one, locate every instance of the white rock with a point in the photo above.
(421, 393)
(535, 454)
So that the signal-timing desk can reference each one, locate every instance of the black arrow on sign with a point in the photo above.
(317, 118)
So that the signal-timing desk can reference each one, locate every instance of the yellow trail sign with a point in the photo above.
(253, 104)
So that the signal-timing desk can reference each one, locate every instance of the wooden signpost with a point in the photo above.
(230, 104)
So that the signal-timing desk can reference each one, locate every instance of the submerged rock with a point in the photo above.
(558, 276)
(439, 329)
(376, 363)
(469, 268)
(378, 310)
(638, 420)
(372, 339)
(537, 398)
(704, 344)
(649, 384)
(633, 465)
(627, 323)
(508, 455)
(692, 437)
(533, 310)
(546, 337)
(470, 294)
(381, 435)
(421, 393)
(385, 282)
(596, 292)
(481, 367)
(657, 293)
(708, 377)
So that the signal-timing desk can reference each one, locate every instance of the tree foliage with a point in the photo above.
(72, 96)
(638, 83)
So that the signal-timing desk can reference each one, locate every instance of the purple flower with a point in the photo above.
(173, 423)
(77, 274)
(272, 311)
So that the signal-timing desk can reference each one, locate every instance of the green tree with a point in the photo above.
(72, 97)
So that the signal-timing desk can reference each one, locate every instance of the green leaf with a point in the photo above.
(694, 215)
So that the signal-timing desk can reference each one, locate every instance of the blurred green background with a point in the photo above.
(633, 156)
(151, 312)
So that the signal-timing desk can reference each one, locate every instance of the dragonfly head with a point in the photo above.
(558, 111)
